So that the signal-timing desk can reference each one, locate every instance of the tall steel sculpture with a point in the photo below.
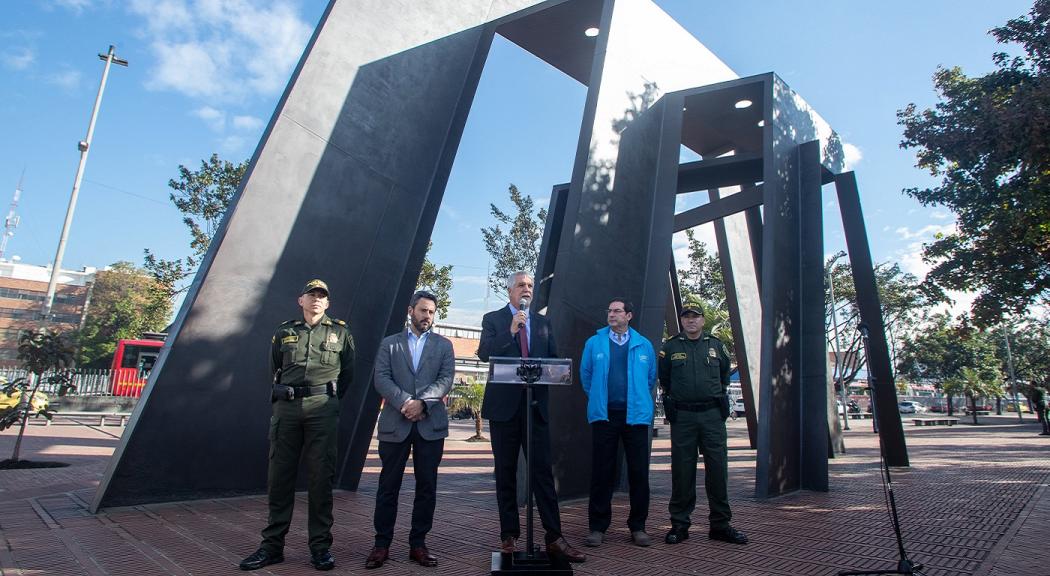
(347, 181)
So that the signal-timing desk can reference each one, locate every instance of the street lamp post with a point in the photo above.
(84, 145)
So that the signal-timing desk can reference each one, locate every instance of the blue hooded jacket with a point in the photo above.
(641, 377)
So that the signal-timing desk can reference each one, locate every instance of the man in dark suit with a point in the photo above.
(413, 372)
(516, 331)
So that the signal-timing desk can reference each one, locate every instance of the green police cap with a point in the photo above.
(691, 309)
(316, 284)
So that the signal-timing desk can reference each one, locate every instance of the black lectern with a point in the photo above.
(529, 372)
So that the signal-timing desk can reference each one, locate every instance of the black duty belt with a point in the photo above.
(698, 406)
(305, 391)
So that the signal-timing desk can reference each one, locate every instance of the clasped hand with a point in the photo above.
(413, 410)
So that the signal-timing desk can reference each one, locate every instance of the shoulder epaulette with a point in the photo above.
(338, 321)
(287, 323)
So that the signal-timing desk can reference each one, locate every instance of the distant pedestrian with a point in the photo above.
(1039, 399)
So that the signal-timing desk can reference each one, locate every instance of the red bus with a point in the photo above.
(132, 362)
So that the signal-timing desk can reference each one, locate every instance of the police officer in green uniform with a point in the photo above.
(694, 377)
(312, 360)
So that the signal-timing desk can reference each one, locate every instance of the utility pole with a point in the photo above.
(1010, 368)
(84, 145)
(12, 220)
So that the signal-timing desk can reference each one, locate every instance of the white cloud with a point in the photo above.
(215, 119)
(77, 6)
(232, 144)
(464, 316)
(247, 123)
(928, 231)
(852, 155)
(19, 58)
(67, 79)
(469, 280)
(939, 215)
(222, 49)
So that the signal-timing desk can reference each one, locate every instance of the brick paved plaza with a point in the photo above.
(974, 502)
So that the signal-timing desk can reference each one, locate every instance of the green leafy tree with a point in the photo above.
(39, 351)
(938, 353)
(904, 305)
(988, 139)
(125, 302)
(437, 280)
(516, 247)
(203, 197)
(702, 284)
(470, 396)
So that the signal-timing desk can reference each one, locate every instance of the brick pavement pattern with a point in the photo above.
(974, 502)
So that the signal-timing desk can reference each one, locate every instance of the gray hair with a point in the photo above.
(514, 275)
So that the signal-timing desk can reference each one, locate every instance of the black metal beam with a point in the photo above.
(720, 172)
(813, 345)
(891, 431)
(747, 198)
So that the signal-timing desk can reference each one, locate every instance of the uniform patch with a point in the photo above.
(333, 337)
(289, 339)
(712, 352)
(679, 356)
(663, 354)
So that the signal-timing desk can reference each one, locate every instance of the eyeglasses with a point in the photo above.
(615, 310)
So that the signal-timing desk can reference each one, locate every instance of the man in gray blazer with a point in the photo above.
(413, 372)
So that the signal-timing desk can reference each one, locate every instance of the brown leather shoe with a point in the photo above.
(420, 555)
(376, 557)
(508, 545)
(561, 549)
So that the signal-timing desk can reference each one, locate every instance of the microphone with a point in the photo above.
(523, 304)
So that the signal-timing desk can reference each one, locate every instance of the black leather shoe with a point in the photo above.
(377, 557)
(677, 534)
(261, 558)
(322, 560)
(728, 534)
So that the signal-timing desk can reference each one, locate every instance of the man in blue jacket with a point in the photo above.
(618, 374)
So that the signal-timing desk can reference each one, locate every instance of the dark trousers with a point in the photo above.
(508, 437)
(606, 436)
(694, 433)
(306, 428)
(426, 456)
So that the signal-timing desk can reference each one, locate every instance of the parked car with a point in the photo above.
(738, 407)
(909, 407)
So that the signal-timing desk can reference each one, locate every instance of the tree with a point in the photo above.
(125, 302)
(703, 279)
(1030, 351)
(941, 351)
(437, 280)
(702, 284)
(988, 138)
(203, 197)
(517, 247)
(470, 396)
(903, 301)
(40, 351)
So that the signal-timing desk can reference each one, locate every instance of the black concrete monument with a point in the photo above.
(348, 178)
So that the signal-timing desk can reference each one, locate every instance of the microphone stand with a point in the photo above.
(904, 564)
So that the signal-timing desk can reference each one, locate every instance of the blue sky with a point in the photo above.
(205, 76)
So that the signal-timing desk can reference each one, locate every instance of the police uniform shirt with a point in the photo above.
(694, 370)
(312, 356)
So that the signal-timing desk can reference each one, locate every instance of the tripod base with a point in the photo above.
(519, 564)
(903, 567)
